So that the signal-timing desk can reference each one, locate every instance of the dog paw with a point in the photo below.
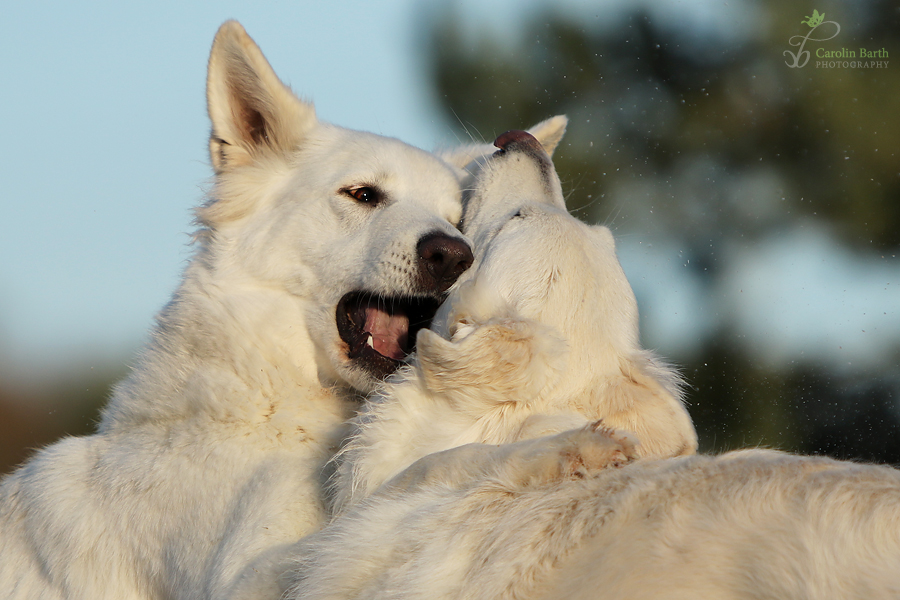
(606, 447)
(575, 454)
(593, 448)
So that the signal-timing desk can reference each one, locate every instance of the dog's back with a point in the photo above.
(749, 525)
(746, 525)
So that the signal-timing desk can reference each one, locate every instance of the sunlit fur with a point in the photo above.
(748, 525)
(571, 515)
(539, 337)
(211, 452)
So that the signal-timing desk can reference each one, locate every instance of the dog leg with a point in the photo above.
(569, 455)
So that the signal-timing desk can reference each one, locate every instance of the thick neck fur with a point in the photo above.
(222, 351)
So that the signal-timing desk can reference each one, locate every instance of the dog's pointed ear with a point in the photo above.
(499, 361)
(252, 111)
(548, 133)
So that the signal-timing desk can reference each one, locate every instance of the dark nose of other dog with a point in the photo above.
(442, 259)
(517, 137)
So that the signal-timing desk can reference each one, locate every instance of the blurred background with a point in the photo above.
(756, 205)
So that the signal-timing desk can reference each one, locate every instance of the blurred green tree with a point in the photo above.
(710, 140)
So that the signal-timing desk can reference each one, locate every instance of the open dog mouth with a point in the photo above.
(381, 331)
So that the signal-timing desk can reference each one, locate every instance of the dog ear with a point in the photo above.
(646, 399)
(548, 133)
(251, 110)
(498, 362)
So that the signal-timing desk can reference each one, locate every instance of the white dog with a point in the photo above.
(540, 337)
(548, 518)
(320, 254)
(510, 522)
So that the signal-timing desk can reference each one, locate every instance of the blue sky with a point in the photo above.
(104, 155)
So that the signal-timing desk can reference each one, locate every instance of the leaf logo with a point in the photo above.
(815, 20)
(801, 57)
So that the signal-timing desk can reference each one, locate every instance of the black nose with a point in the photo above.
(442, 259)
(517, 137)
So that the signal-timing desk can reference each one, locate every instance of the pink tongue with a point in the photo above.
(389, 332)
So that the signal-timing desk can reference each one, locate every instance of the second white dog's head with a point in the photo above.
(545, 322)
(535, 261)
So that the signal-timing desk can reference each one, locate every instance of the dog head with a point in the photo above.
(542, 263)
(357, 230)
(537, 264)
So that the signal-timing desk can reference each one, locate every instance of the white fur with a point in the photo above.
(547, 518)
(750, 525)
(212, 452)
(540, 336)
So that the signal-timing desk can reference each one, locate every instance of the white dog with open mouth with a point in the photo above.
(320, 254)
(539, 337)
(571, 515)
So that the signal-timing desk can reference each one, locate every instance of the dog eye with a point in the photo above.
(364, 195)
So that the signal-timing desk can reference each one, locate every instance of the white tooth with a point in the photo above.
(370, 343)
